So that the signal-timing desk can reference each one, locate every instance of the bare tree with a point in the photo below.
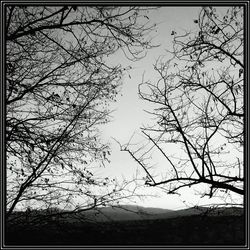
(198, 109)
(58, 87)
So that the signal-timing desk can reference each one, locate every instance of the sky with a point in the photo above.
(129, 111)
(129, 114)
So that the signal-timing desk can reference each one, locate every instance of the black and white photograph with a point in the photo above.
(124, 124)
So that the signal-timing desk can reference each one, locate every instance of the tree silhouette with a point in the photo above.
(198, 109)
(58, 88)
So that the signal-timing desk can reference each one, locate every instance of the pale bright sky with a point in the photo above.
(129, 113)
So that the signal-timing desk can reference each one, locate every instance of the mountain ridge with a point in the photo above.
(138, 213)
(123, 213)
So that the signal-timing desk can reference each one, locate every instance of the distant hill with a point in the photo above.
(124, 213)
(134, 213)
(128, 212)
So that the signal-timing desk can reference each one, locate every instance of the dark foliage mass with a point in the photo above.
(188, 230)
(132, 225)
